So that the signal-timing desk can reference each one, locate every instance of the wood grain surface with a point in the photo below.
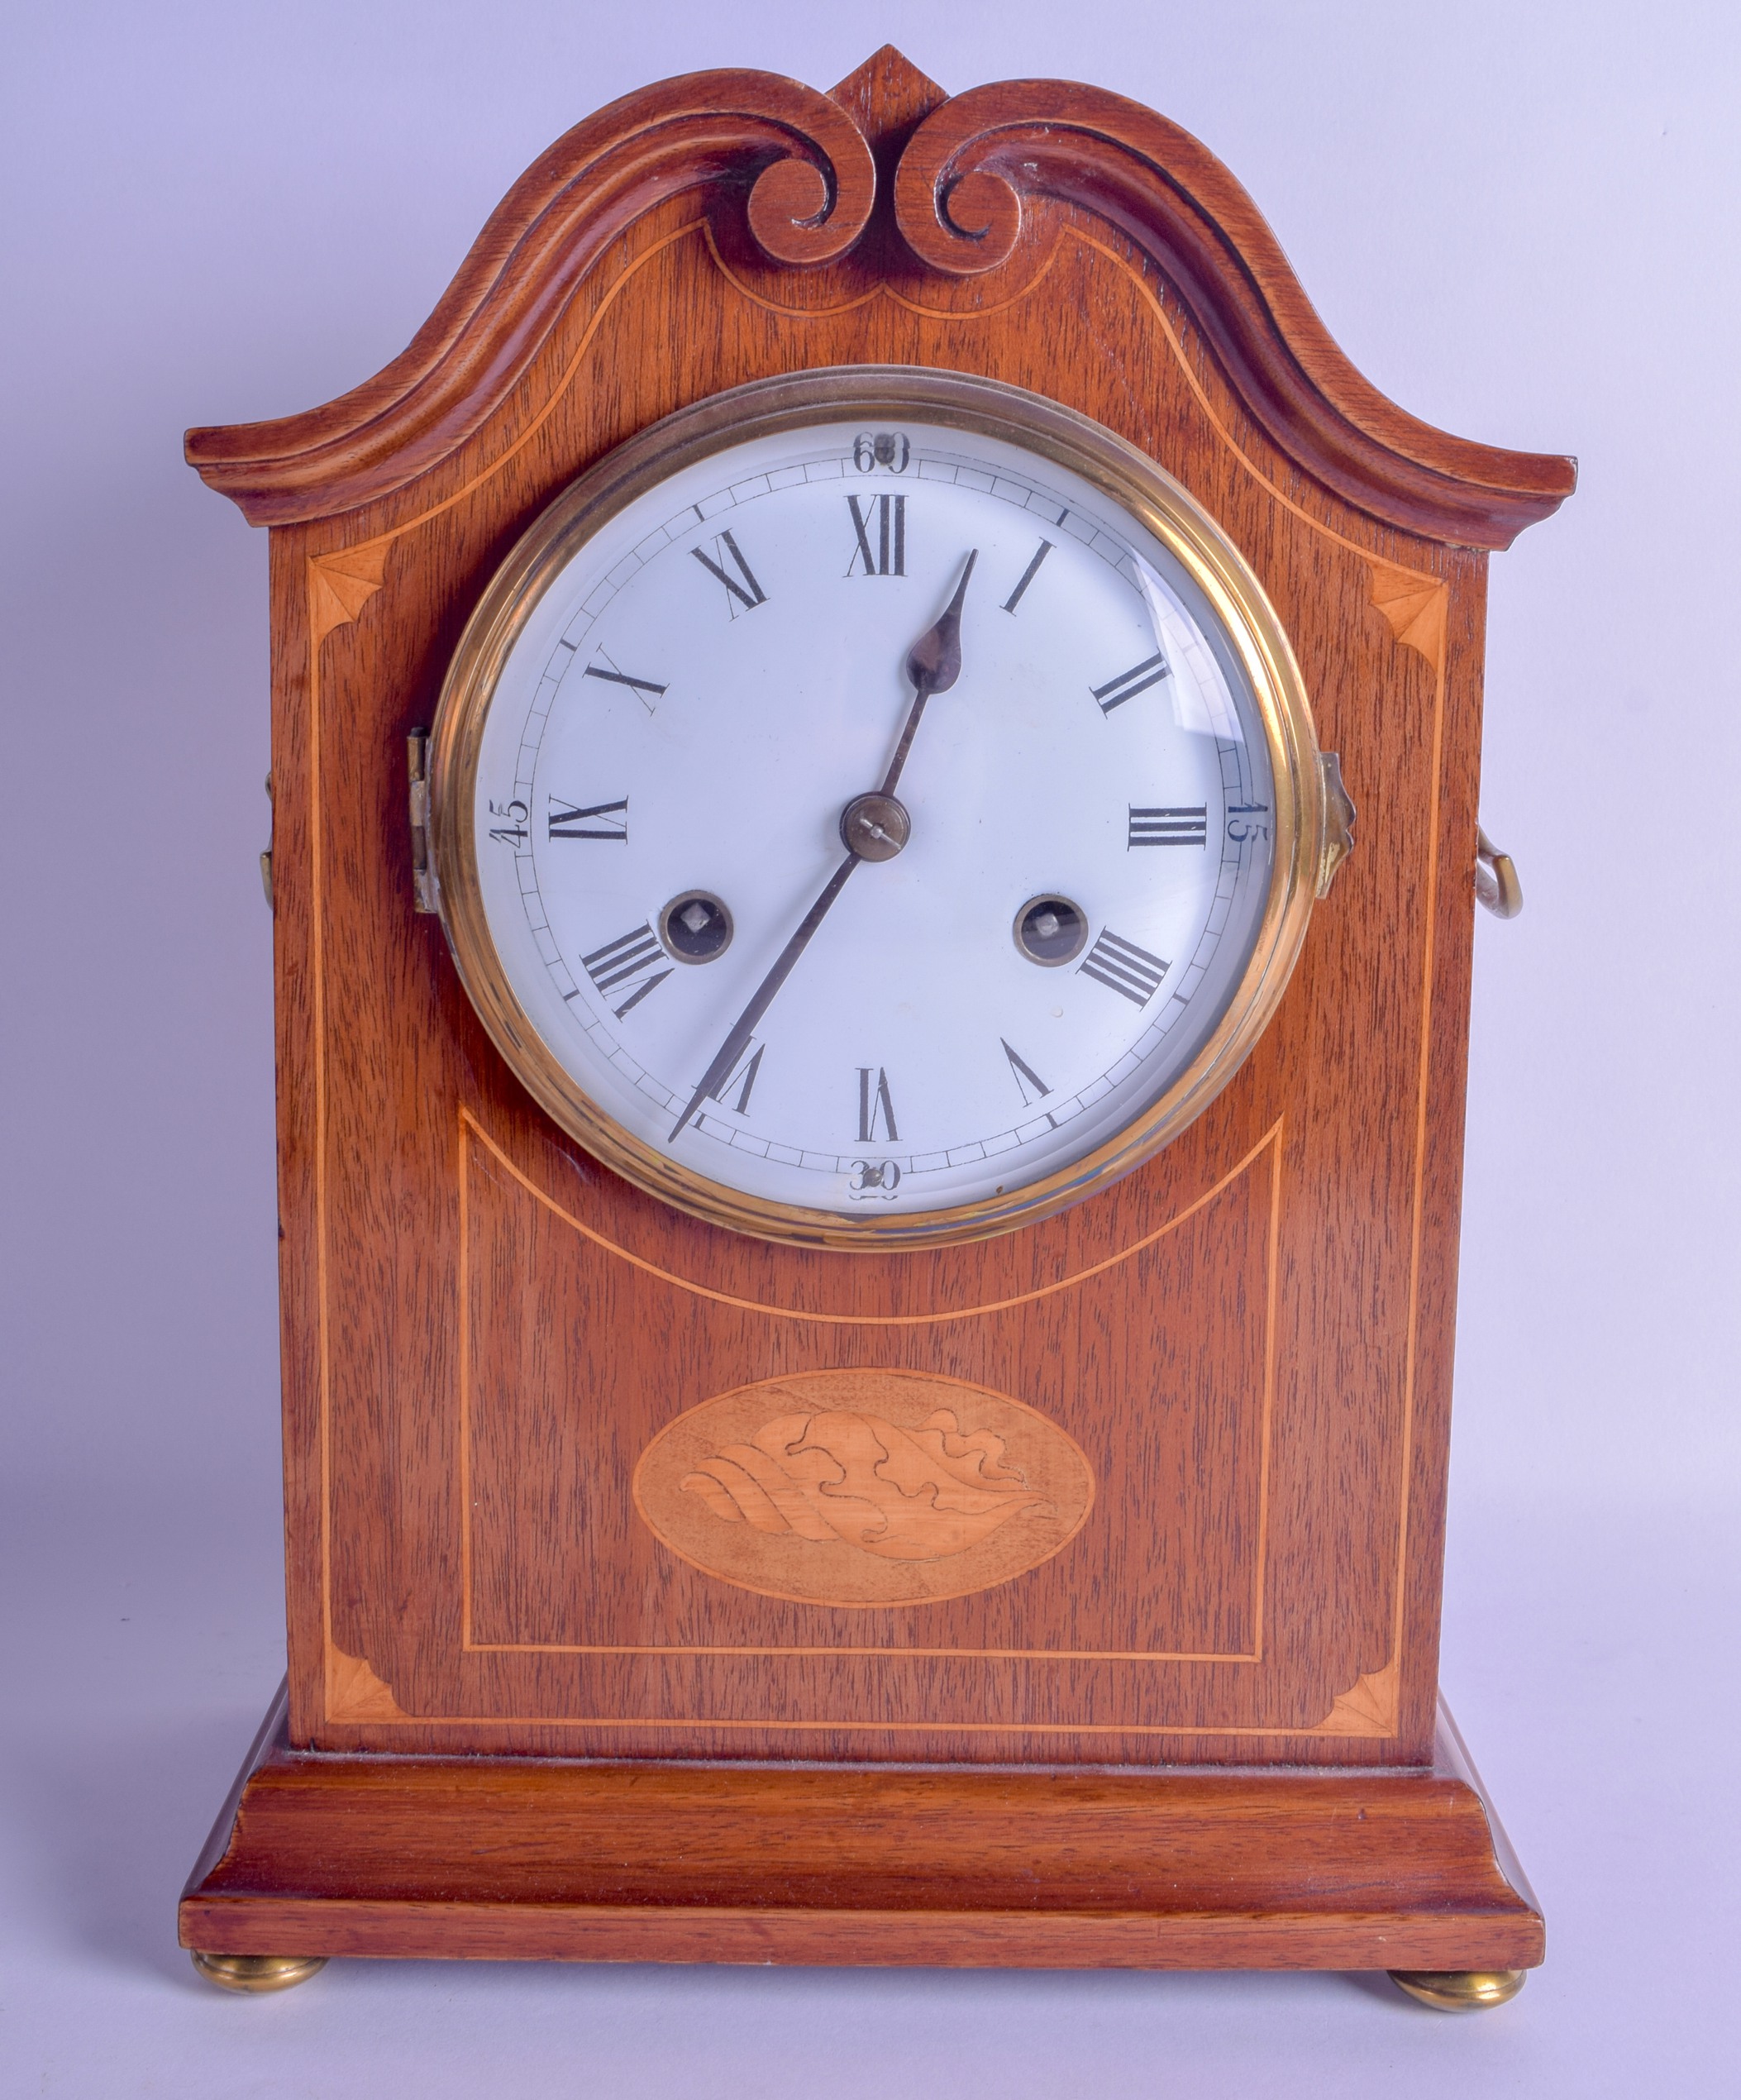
(504, 1858)
(1249, 1338)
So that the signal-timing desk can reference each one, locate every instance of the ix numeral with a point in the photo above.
(873, 1100)
(1169, 827)
(888, 557)
(631, 956)
(1126, 686)
(1122, 967)
(582, 823)
(740, 590)
(644, 687)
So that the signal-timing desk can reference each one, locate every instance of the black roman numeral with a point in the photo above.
(743, 1079)
(1126, 686)
(1169, 827)
(888, 557)
(1024, 1076)
(565, 822)
(1122, 967)
(1028, 574)
(614, 677)
(740, 590)
(622, 962)
(873, 1100)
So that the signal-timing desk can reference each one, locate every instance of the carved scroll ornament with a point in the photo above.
(812, 184)
(962, 187)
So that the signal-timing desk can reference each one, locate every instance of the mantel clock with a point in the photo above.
(868, 1145)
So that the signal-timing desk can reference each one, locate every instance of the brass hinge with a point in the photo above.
(425, 893)
(1338, 819)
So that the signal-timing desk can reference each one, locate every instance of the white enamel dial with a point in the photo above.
(711, 676)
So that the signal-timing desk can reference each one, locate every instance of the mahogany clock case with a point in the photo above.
(486, 1336)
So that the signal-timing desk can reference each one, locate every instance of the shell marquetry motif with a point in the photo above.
(901, 1494)
(855, 1487)
(340, 584)
(1415, 606)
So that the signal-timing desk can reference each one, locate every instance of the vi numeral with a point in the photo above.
(1122, 967)
(874, 1104)
(880, 526)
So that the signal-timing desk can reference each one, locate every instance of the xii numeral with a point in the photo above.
(882, 536)
(1122, 967)
(742, 588)
(1182, 827)
(1126, 686)
(630, 961)
(592, 820)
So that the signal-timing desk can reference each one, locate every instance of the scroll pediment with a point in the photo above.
(884, 164)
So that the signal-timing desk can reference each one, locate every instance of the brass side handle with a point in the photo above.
(265, 858)
(1339, 820)
(1497, 884)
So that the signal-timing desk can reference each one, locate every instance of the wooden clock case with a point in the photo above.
(1205, 1732)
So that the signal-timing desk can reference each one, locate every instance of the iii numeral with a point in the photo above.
(873, 1101)
(1122, 967)
(1126, 686)
(741, 589)
(1025, 1077)
(1169, 827)
(886, 555)
(584, 822)
(631, 959)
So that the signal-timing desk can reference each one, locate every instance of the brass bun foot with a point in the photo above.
(1460, 1990)
(255, 1973)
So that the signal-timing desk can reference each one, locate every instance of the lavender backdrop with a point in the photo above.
(1521, 223)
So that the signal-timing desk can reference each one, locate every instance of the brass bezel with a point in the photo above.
(1120, 472)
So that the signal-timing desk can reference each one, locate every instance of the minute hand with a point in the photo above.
(933, 664)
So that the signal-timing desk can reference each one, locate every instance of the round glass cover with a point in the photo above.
(872, 817)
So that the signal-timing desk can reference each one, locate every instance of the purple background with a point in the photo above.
(1520, 222)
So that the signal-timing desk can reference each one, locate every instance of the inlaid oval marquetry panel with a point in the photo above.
(863, 1487)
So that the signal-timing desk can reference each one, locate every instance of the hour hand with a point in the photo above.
(933, 664)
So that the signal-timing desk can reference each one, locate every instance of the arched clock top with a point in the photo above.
(810, 186)
(959, 196)
(963, 180)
